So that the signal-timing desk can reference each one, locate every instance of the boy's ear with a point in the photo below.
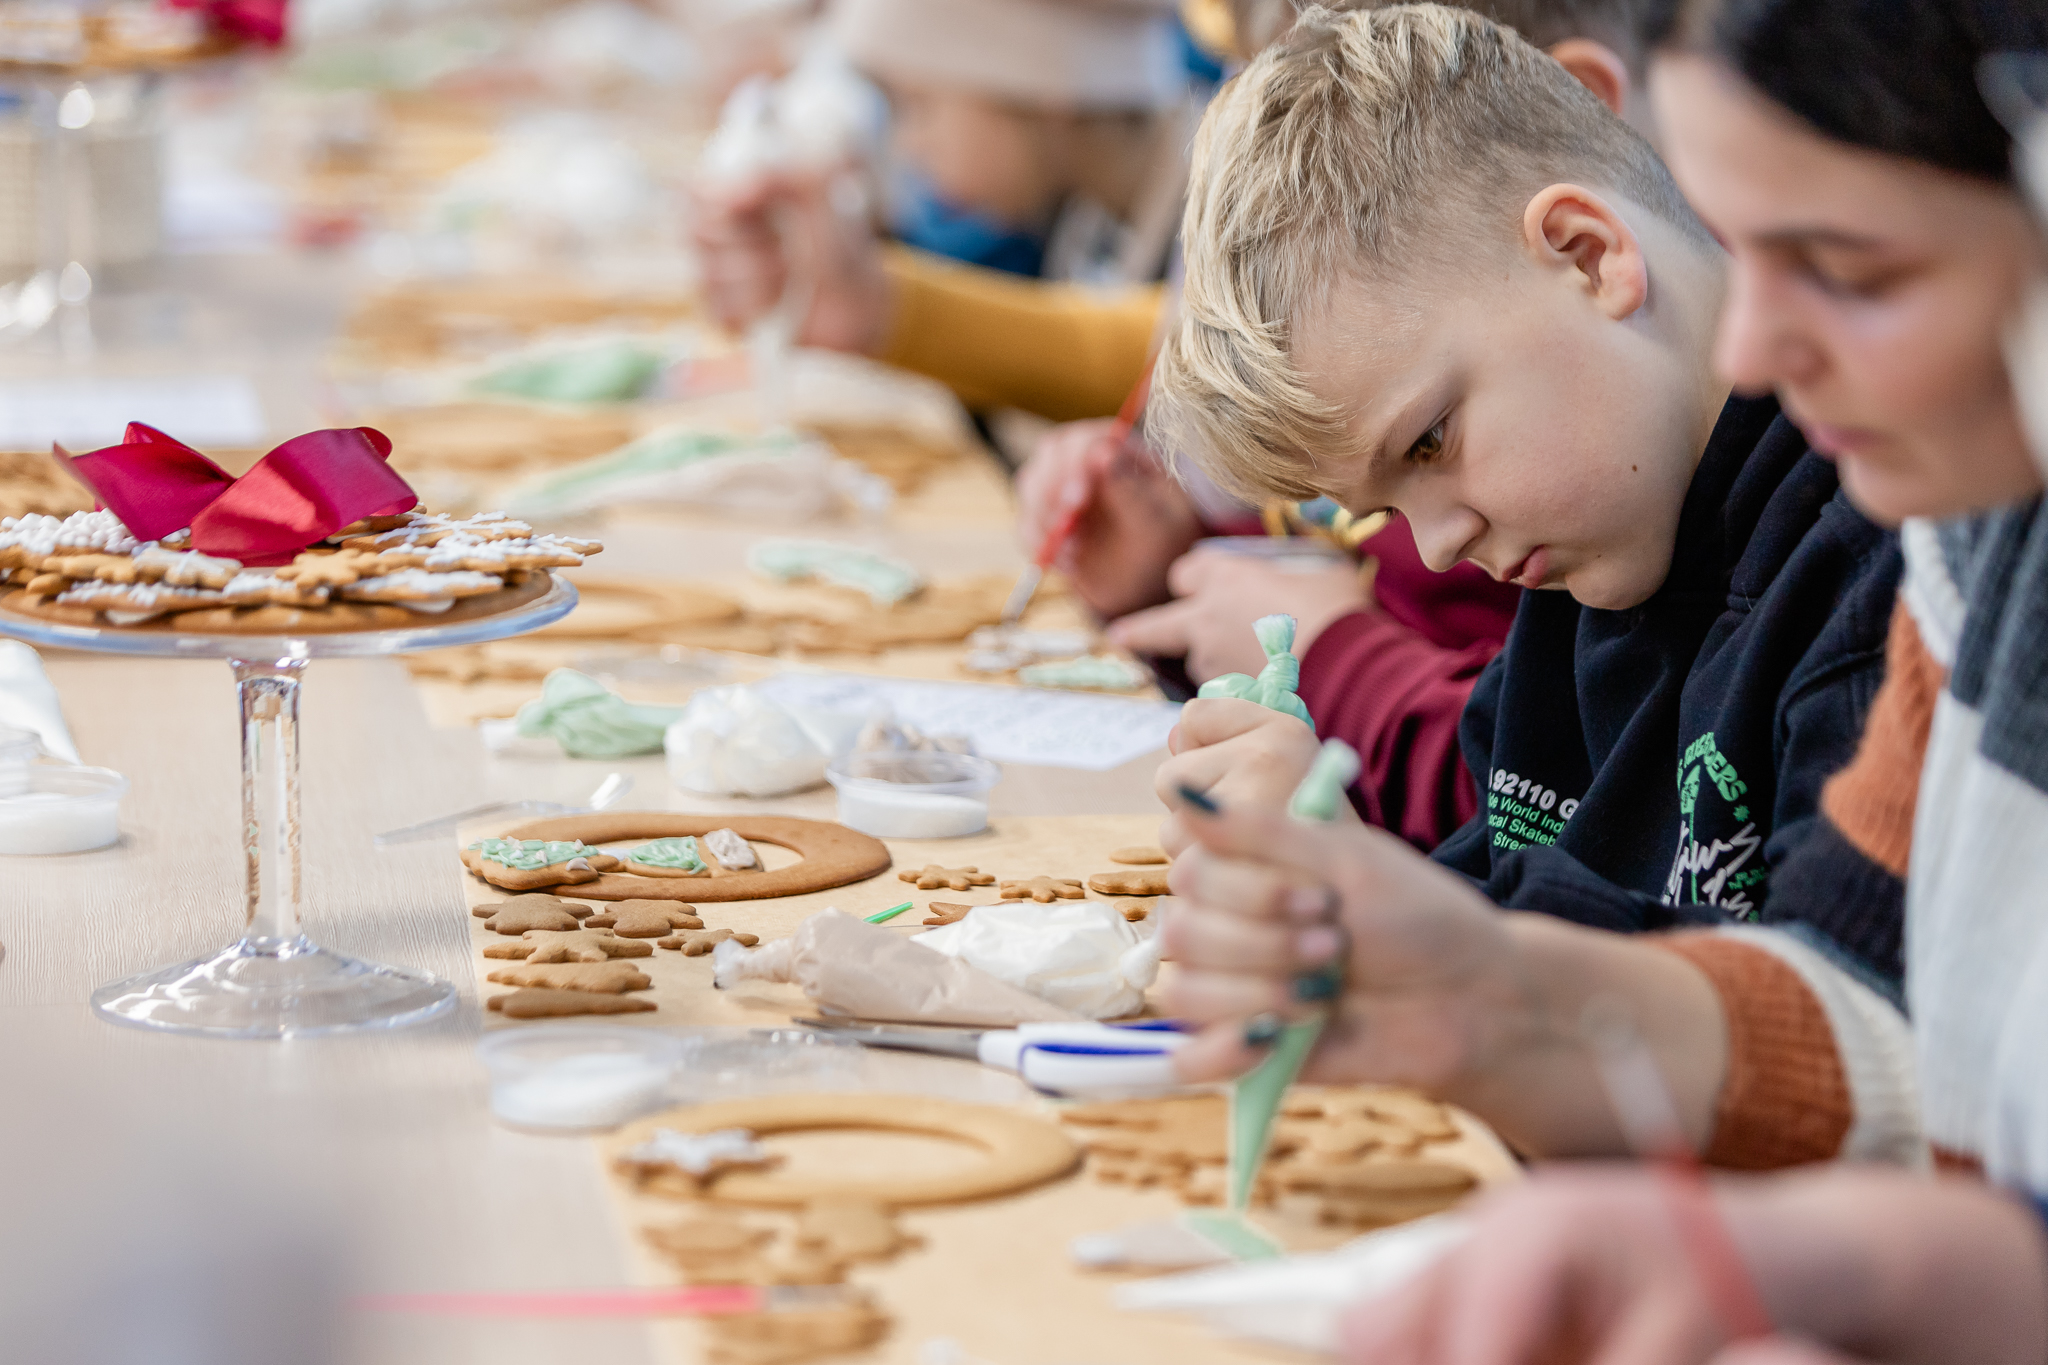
(1570, 228)
(1598, 67)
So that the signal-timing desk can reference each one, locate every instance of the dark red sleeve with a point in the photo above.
(1392, 683)
(1396, 697)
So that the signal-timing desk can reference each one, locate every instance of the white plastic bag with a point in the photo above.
(732, 741)
(1083, 956)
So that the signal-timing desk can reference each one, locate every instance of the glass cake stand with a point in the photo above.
(274, 982)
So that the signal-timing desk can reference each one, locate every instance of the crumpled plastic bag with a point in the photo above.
(589, 720)
(732, 741)
(1274, 687)
(859, 970)
(29, 702)
(1082, 956)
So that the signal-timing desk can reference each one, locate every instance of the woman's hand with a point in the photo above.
(1875, 1264)
(1443, 990)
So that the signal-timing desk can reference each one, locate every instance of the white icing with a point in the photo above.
(130, 618)
(427, 608)
(91, 532)
(423, 583)
(700, 1153)
(183, 568)
(151, 597)
(732, 852)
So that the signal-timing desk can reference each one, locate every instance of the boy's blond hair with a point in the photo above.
(1359, 146)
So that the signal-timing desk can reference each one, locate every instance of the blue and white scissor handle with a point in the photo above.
(1088, 1058)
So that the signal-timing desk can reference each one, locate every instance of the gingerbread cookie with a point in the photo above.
(514, 917)
(1128, 883)
(848, 1230)
(798, 1334)
(1044, 890)
(711, 1245)
(1140, 855)
(540, 946)
(530, 864)
(645, 919)
(932, 877)
(605, 978)
(675, 857)
(829, 855)
(698, 942)
(532, 1002)
(946, 912)
(1132, 910)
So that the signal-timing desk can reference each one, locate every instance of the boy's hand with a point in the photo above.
(1247, 756)
(1220, 594)
(750, 238)
(1137, 519)
(1432, 984)
(1876, 1263)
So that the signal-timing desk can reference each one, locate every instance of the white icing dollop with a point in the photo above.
(700, 1153)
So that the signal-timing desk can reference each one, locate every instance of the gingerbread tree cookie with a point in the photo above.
(1044, 890)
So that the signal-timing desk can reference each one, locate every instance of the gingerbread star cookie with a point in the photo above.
(515, 916)
(1044, 890)
(697, 942)
(605, 978)
(931, 877)
(1132, 883)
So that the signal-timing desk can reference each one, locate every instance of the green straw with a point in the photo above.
(889, 914)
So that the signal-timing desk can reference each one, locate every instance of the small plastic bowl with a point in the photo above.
(570, 1079)
(913, 793)
(60, 808)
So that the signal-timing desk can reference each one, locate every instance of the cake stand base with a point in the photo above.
(270, 988)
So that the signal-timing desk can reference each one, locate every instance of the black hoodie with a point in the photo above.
(1650, 767)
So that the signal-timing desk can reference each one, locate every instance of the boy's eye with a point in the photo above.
(1429, 447)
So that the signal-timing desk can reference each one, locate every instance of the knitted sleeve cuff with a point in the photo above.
(1819, 1065)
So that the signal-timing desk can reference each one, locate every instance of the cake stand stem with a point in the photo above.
(269, 693)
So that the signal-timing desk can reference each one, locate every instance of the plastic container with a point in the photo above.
(18, 749)
(571, 1079)
(913, 794)
(59, 808)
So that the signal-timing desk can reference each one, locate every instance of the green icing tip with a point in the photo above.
(1274, 687)
(1231, 1234)
(1319, 796)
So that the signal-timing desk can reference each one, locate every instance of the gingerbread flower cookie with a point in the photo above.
(931, 877)
(1044, 890)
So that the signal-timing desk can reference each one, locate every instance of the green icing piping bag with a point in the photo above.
(1255, 1096)
(1274, 687)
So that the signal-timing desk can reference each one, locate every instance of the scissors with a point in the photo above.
(1081, 1058)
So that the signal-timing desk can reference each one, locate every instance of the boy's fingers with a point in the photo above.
(1245, 889)
(1211, 720)
(1161, 631)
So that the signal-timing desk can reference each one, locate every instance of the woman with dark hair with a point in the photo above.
(1882, 256)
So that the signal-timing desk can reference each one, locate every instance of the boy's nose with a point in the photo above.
(1443, 539)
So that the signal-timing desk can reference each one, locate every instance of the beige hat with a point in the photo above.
(1088, 54)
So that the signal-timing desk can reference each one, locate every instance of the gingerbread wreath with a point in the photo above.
(562, 852)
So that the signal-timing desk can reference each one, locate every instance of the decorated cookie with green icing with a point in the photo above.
(589, 720)
(786, 559)
(1274, 687)
(678, 855)
(529, 855)
(1101, 672)
(609, 371)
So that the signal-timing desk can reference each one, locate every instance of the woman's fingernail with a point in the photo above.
(1317, 986)
(1313, 947)
(1310, 904)
(1263, 1030)
(1199, 799)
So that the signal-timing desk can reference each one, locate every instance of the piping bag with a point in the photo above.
(1274, 687)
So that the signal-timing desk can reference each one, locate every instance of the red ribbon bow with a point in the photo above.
(302, 492)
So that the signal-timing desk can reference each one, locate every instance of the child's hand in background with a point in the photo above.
(1218, 594)
(1136, 521)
